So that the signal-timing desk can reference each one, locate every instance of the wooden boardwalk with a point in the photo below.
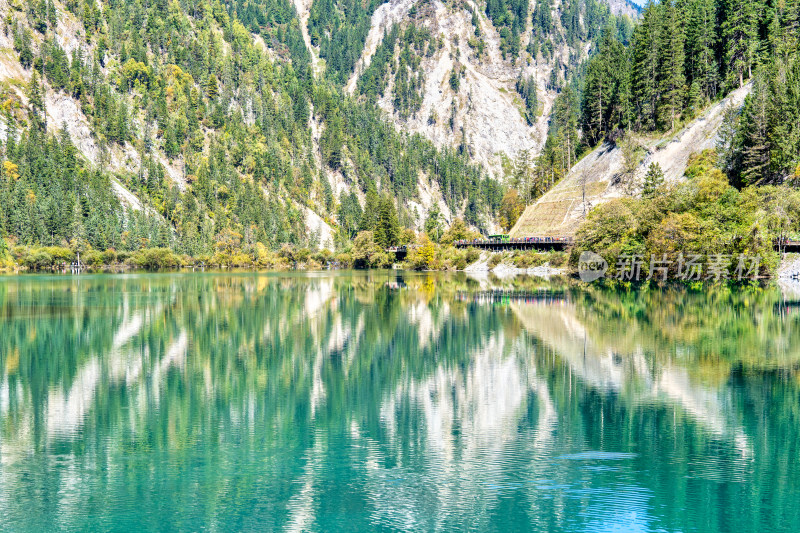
(519, 243)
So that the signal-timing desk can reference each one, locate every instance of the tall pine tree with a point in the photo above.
(756, 134)
(701, 42)
(645, 67)
(671, 75)
(740, 33)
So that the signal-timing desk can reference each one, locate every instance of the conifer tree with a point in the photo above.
(701, 43)
(783, 28)
(671, 75)
(564, 124)
(596, 98)
(22, 44)
(652, 180)
(526, 87)
(645, 67)
(755, 124)
(728, 144)
(739, 31)
(606, 95)
(369, 218)
(784, 113)
(523, 175)
(387, 231)
(36, 100)
(433, 223)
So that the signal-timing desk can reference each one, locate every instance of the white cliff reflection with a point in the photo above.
(348, 402)
(606, 366)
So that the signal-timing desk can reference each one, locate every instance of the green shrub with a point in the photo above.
(704, 216)
(241, 260)
(18, 252)
(287, 253)
(322, 256)
(424, 256)
(367, 254)
(92, 258)
(109, 256)
(155, 259)
(60, 254)
(381, 260)
(302, 255)
(345, 260)
(458, 231)
(530, 259)
(312, 264)
(701, 163)
(557, 259)
(221, 259)
(36, 260)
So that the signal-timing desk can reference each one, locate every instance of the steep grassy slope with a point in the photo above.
(602, 174)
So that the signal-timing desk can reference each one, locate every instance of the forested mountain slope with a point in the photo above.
(207, 122)
(617, 170)
(646, 105)
(482, 77)
(225, 127)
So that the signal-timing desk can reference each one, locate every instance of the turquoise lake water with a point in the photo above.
(391, 401)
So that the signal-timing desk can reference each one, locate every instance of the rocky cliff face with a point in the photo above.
(484, 114)
(465, 82)
(624, 7)
(64, 111)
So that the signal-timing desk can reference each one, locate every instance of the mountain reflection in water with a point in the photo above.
(382, 400)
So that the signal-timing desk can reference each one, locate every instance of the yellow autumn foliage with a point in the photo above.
(11, 170)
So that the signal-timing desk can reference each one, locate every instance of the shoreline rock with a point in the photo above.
(505, 270)
(790, 267)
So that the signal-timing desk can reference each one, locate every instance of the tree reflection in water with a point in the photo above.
(346, 401)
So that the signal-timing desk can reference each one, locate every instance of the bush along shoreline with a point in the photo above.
(703, 218)
(57, 259)
(364, 253)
